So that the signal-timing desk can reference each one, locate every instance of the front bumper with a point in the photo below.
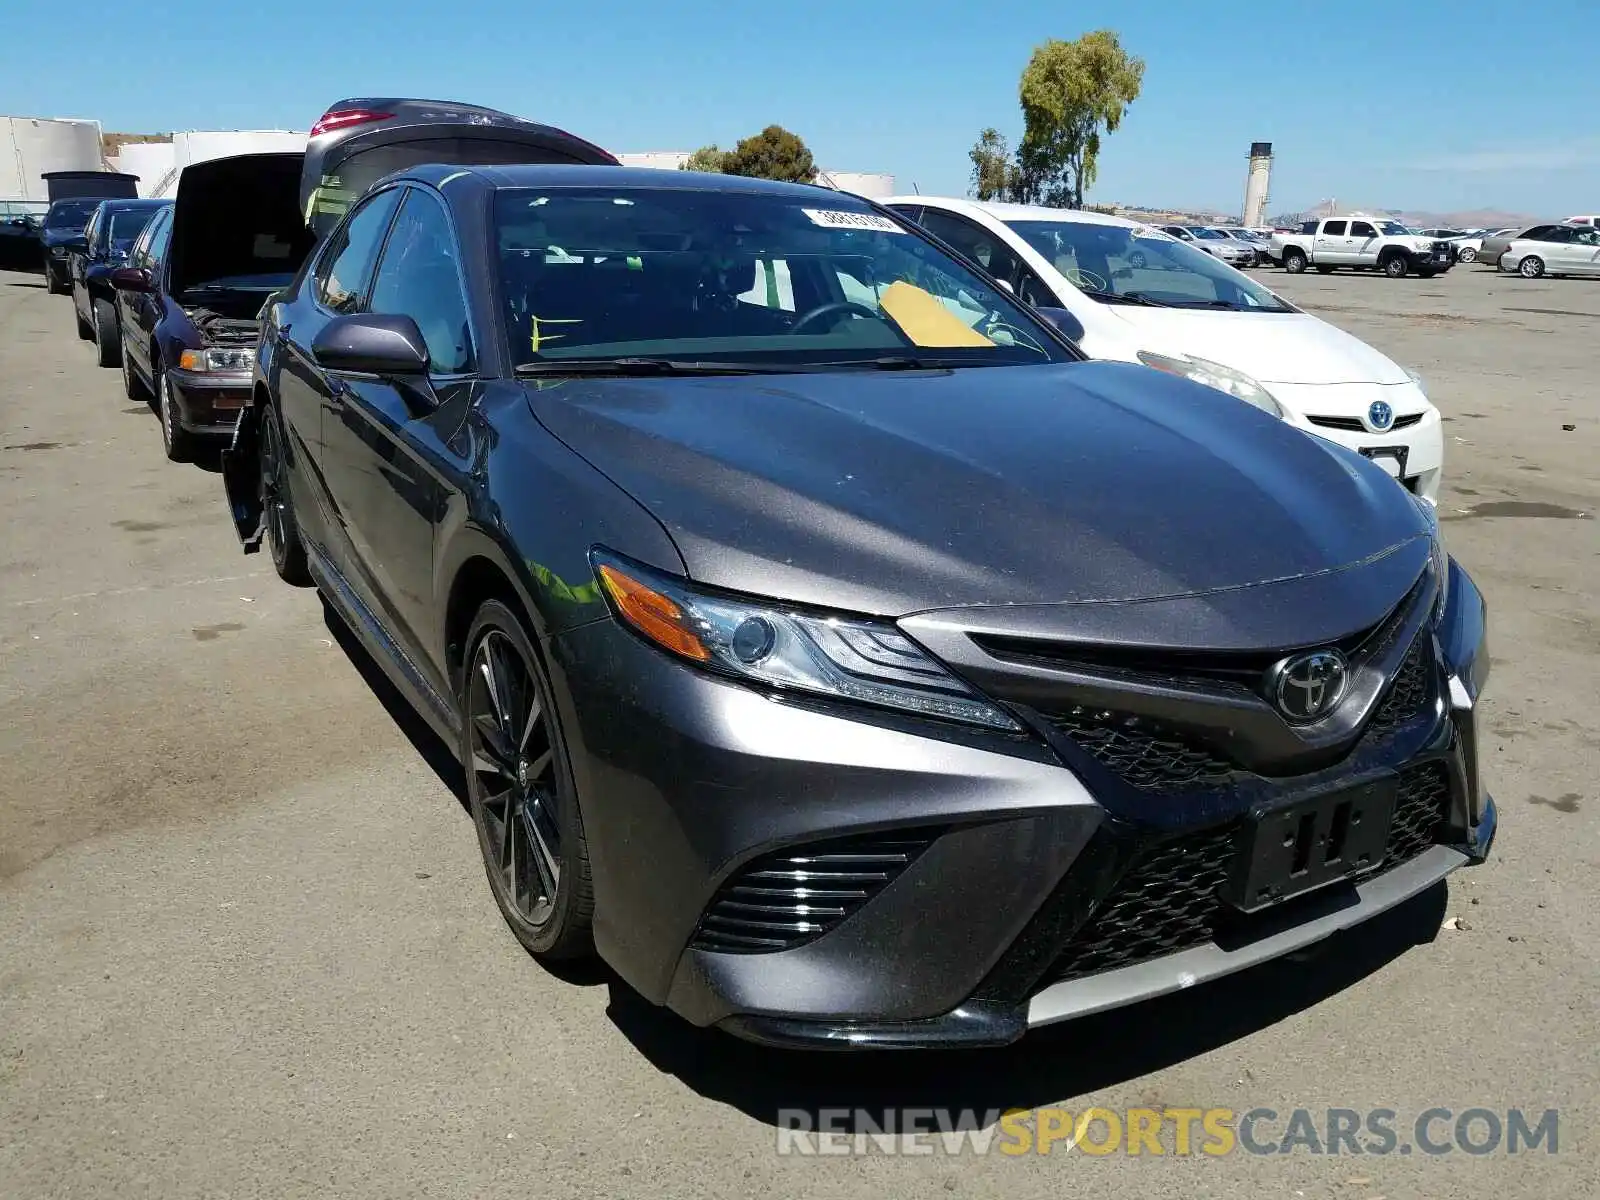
(690, 784)
(209, 402)
(1412, 452)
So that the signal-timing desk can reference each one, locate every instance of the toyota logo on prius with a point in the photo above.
(1307, 687)
(1380, 416)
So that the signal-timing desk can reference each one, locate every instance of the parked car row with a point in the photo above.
(833, 640)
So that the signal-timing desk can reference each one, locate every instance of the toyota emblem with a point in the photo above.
(1307, 687)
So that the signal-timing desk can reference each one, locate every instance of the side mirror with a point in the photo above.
(132, 279)
(1064, 322)
(386, 344)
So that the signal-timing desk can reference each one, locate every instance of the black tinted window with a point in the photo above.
(1033, 291)
(1333, 228)
(1538, 232)
(127, 225)
(156, 249)
(1557, 233)
(419, 278)
(1362, 229)
(70, 214)
(347, 264)
(978, 244)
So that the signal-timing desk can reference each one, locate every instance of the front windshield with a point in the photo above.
(685, 274)
(125, 226)
(1393, 228)
(70, 214)
(1124, 264)
(1211, 235)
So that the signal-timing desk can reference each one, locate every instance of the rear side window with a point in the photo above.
(1333, 228)
(346, 267)
(420, 277)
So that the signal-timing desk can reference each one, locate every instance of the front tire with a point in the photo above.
(277, 507)
(1531, 267)
(107, 342)
(178, 442)
(132, 386)
(52, 282)
(1396, 266)
(520, 789)
(1294, 261)
(1467, 254)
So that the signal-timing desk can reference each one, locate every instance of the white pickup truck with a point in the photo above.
(1362, 244)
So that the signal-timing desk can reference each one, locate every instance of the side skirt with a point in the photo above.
(402, 672)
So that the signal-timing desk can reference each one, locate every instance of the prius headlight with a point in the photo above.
(1417, 379)
(1213, 374)
(1436, 551)
(847, 658)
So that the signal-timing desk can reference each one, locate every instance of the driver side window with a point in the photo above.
(347, 265)
(419, 276)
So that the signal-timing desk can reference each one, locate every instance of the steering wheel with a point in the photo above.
(1085, 281)
(833, 306)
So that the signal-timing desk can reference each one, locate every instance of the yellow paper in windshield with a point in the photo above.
(925, 320)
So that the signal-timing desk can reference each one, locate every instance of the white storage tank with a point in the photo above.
(150, 161)
(204, 145)
(30, 146)
(870, 184)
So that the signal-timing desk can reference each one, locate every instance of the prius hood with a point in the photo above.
(893, 493)
(1290, 347)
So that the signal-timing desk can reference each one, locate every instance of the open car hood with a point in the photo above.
(237, 216)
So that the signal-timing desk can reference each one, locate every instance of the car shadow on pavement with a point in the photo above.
(418, 732)
(1076, 1058)
(27, 283)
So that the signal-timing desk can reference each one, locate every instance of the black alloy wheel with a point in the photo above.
(277, 509)
(520, 789)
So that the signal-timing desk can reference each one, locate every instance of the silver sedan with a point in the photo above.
(1553, 250)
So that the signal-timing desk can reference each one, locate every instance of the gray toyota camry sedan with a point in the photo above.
(829, 646)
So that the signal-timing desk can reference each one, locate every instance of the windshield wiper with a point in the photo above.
(907, 362)
(1129, 298)
(633, 367)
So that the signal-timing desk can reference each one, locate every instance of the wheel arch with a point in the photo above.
(478, 570)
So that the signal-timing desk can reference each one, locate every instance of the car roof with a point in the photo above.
(137, 203)
(1014, 212)
(520, 175)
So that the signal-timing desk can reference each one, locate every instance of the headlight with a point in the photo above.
(870, 662)
(225, 359)
(1437, 553)
(1224, 379)
(1417, 379)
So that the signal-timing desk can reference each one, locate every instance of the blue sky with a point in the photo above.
(1420, 104)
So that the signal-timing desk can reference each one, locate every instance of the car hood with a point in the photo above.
(895, 493)
(1271, 347)
(237, 216)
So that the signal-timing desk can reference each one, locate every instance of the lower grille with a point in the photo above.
(1142, 753)
(783, 900)
(1167, 900)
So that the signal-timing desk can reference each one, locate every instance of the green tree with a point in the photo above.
(774, 153)
(707, 158)
(1072, 93)
(993, 170)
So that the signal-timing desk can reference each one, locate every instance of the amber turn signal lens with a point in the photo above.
(192, 360)
(652, 614)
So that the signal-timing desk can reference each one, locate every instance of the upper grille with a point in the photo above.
(1355, 425)
(1408, 691)
(1141, 752)
(783, 900)
(1167, 900)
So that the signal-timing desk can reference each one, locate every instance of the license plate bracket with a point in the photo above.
(1313, 842)
(1390, 458)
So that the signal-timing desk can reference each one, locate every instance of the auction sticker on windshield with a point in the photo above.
(838, 218)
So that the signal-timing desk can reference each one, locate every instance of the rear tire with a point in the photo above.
(1323, 270)
(107, 342)
(178, 442)
(1467, 254)
(1531, 267)
(1396, 266)
(520, 790)
(1294, 261)
(132, 386)
(277, 506)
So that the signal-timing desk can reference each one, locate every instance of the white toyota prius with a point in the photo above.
(1140, 295)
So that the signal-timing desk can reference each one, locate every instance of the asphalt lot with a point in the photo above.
(246, 946)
